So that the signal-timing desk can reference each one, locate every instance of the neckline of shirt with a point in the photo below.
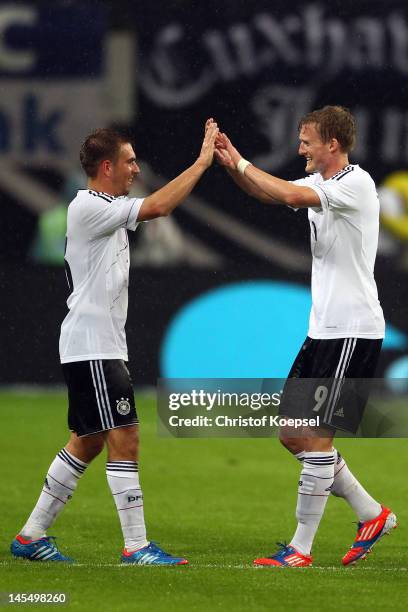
(109, 195)
(345, 169)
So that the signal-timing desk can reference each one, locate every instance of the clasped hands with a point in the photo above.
(225, 153)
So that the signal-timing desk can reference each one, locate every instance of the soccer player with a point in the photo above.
(346, 325)
(93, 347)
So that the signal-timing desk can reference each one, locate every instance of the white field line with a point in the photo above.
(218, 566)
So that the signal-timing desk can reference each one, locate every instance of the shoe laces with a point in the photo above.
(282, 545)
(52, 542)
(359, 524)
(154, 546)
(50, 539)
(283, 548)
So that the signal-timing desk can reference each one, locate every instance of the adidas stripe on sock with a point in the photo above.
(59, 485)
(316, 480)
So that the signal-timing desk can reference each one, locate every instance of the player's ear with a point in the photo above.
(334, 145)
(106, 167)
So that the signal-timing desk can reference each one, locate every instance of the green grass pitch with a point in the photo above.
(220, 502)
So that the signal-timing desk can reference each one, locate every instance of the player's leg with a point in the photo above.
(122, 467)
(303, 397)
(312, 447)
(345, 484)
(374, 519)
(86, 441)
(122, 472)
(361, 368)
(315, 483)
(86, 420)
(60, 483)
(293, 401)
(296, 446)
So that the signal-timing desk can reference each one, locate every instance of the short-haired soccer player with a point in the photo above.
(93, 347)
(346, 325)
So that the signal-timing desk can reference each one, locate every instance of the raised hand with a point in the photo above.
(208, 146)
(208, 123)
(224, 158)
(223, 142)
(225, 153)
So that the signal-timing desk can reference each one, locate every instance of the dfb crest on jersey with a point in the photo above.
(123, 406)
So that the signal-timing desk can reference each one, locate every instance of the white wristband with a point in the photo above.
(242, 164)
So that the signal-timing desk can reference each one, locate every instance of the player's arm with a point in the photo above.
(162, 202)
(243, 182)
(281, 191)
(265, 187)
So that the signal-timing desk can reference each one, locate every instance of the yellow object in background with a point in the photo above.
(393, 196)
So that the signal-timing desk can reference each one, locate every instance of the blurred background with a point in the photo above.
(220, 288)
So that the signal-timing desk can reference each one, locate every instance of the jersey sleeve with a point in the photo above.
(344, 193)
(306, 181)
(103, 216)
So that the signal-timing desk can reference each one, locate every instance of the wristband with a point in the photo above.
(242, 164)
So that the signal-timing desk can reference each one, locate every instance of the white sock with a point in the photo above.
(316, 480)
(300, 456)
(59, 486)
(346, 485)
(123, 479)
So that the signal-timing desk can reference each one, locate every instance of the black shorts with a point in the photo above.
(100, 396)
(331, 379)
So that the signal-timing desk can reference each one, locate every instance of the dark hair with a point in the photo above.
(333, 122)
(103, 143)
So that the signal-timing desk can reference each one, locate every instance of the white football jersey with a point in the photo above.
(97, 267)
(344, 239)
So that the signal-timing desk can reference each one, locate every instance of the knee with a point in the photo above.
(293, 445)
(86, 448)
(123, 444)
(130, 444)
(130, 449)
(95, 447)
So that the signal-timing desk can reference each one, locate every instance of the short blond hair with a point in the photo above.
(333, 122)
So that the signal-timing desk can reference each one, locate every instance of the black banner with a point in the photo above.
(257, 68)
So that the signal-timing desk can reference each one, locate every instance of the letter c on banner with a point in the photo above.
(14, 60)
